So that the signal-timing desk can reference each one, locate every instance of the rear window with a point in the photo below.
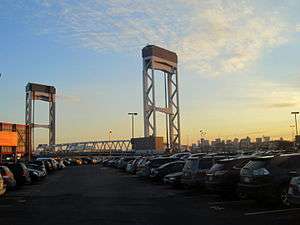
(217, 167)
(205, 164)
(191, 165)
(256, 164)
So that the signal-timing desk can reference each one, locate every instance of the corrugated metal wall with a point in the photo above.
(22, 131)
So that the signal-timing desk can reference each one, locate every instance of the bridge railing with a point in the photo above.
(90, 146)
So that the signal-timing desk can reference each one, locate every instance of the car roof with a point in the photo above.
(290, 154)
(174, 162)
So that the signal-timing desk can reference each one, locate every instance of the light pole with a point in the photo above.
(296, 125)
(132, 114)
(109, 135)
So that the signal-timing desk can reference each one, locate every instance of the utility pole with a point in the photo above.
(132, 114)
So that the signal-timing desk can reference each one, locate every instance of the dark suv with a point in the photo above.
(224, 176)
(165, 169)
(267, 178)
(153, 164)
(195, 169)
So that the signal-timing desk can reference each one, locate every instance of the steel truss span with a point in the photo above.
(90, 146)
(159, 59)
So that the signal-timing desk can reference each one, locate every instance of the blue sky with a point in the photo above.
(239, 63)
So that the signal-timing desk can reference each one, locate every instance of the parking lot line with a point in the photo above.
(271, 211)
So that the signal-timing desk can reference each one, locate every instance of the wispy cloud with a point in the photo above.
(282, 105)
(211, 37)
(67, 98)
(263, 93)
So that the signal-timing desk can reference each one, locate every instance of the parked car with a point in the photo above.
(85, 160)
(195, 169)
(294, 191)
(8, 178)
(165, 169)
(47, 164)
(67, 162)
(2, 186)
(75, 162)
(224, 176)
(38, 165)
(132, 165)
(53, 162)
(122, 163)
(20, 171)
(60, 164)
(268, 178)
(154, 163)
(174, 179)
(112, 162)
(35, 175)
(42, 171)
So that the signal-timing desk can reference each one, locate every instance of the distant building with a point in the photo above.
(266, 139)
(258, 140)
(245, 143)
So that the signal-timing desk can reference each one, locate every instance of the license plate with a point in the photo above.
(246, 179)
(210, 178)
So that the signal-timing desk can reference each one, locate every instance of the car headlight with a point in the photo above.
(172, 178)
(35, 173)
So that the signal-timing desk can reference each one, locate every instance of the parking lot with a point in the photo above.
(98, 195)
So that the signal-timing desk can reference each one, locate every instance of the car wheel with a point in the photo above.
(284, 197)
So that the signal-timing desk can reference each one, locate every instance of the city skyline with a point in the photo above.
(238, 65)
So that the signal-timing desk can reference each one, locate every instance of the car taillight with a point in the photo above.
(261, 172)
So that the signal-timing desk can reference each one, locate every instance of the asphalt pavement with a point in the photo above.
(99, 196)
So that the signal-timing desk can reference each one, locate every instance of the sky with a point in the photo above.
(239, 69)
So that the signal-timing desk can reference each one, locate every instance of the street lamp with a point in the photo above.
(132, 114)
(109, 135)
(296, 125)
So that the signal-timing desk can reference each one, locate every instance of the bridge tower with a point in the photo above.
(43, 93)
(159, 59)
